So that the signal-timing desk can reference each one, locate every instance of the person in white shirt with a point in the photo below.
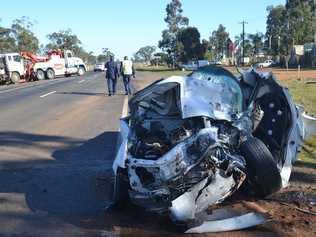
(127, 71)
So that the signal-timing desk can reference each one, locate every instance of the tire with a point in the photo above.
(50, 74)
(40, 75)
(15, 77)
(81, 71)
(262, 172)
(121, 186)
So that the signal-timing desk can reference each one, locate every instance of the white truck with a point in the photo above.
(59, 65)
(26, 65)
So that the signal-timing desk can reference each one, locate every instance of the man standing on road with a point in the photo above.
(111, 75)
(127, 70)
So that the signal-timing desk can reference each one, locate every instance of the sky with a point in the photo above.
(124, 26)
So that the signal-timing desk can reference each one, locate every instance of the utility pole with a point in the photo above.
(243, 41)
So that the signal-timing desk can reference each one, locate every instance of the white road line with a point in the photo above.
(124, 114)
(81, 81)
(52, 92)
(125, 107)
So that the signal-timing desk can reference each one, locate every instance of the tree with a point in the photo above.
(101, 58)
(256, 41)
(248, 46)
(175, 21)
(276, 32)
(145, 54)
(87, 57)
(23, 36)
(7, 42)
(192, 47)
(64, 39)
(290, 25)
(301, 21)
(218, 41)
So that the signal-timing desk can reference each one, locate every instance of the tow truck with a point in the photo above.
(26, 66)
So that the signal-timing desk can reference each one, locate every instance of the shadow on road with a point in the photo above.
(65, 187)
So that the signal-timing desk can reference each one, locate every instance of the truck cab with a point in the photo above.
(73, 64)
(12, 67)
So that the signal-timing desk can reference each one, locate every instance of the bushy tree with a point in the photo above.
(193, 49)
(7, 42)
(63, 39)
(301, 21)
(24, 37)
(218, 41)
(276, 29)
(290, 25)
(175, 21)
(145, 54)
(257, 42)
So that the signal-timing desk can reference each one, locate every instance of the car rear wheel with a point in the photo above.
(40, 74)
(50, 74)
(263, 175)
(15, 77)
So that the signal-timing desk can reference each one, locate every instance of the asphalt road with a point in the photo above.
(57, 143)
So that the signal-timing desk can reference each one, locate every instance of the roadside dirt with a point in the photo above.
(291, 211)
(291, 74)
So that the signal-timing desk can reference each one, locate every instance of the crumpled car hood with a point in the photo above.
(211, 99)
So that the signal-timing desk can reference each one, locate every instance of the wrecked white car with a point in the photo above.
(190, 142)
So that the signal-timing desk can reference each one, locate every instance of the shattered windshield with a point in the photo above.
(222, 89)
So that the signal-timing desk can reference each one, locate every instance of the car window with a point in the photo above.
(17, 58)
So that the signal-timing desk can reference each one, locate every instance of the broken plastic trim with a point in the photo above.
(234, 223)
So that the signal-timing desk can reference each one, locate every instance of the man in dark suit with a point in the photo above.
(111, 75)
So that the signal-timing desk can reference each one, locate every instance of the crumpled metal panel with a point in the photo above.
(199, 197)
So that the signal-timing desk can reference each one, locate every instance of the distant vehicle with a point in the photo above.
(267, 63)
(216, 62)
(194, 65)
(99, 67)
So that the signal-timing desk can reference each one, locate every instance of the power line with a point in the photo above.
(243, 41)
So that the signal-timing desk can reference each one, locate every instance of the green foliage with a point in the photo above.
(19, 37)
(24, 37)
(193, 49)
(301, 21)
(144, 54)
(276, 25)
(101, 58)
(7, 42)
(64, 39)
(175, 21)
(256, 41)
(87, 57)
(290, 25)
(67, 40)
(218, 41)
